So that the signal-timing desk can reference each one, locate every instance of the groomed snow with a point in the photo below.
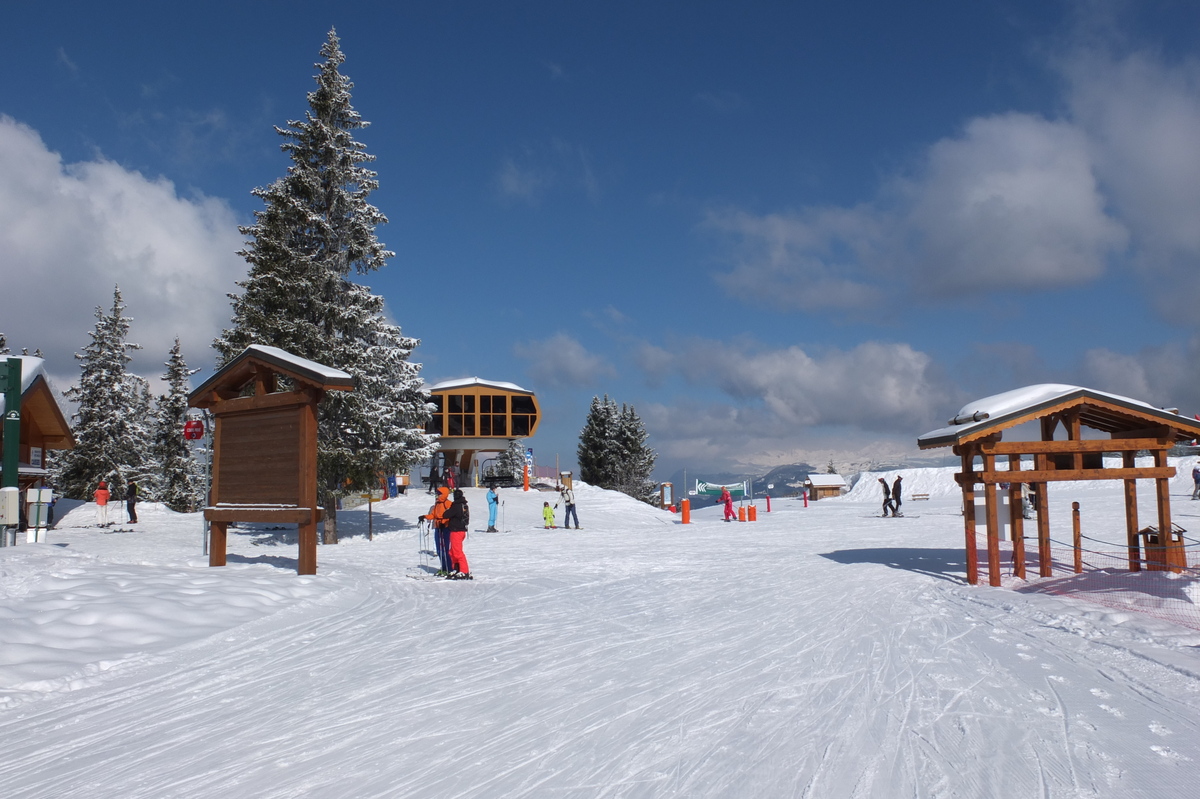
(818, 652)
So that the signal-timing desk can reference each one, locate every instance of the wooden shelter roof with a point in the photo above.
(1099, 410)
(234, 376)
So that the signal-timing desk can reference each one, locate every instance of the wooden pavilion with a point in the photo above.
(976, 435)
(265, 444)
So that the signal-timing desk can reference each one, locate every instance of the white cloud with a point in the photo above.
(810, 260)
(1012, 203)
(561, 361)
(539, 171)
(70, 232)
(1142, 116)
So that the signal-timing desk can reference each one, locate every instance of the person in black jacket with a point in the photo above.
(887, 497)
(131, 501)
(459, 516)
(896, 496)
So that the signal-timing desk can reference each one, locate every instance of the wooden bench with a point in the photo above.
(918, 496)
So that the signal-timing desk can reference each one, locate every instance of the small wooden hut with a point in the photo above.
(823, 486)
(265, 444)
(976, 436)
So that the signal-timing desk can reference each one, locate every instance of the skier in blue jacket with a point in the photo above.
(493, 501)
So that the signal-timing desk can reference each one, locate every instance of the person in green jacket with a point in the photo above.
(548, 516)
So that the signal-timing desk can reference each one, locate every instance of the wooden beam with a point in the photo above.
(1060, 475)
(283, 399)
(277, 515)
(1092, 445)
(1158, 431)
(1045, 559)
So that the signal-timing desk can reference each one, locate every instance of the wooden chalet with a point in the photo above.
(1061, 413)
(44, 427)
(473, 415)
(265, 444)
(824, 486)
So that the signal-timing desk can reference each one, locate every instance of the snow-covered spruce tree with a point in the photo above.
(595, 453)
(180, 481)
(512, 460)
(612, 450)
(316, 227)
(634, 460)
(110, 440)
(3, 345)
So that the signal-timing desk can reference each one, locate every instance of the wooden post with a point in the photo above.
(993, 522)
(1041, 496)
(1131, 515)
(217, 534)
(1176, 557)
(1078, 538)
(307, 561)
(1016, 518)
(968, 492)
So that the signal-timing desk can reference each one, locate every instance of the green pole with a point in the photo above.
(12, 422)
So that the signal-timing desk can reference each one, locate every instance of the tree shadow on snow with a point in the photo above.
(278, 561)
(944, 564)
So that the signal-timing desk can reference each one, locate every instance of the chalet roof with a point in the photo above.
(31, 369)
(39, 401)
(239, 371)
(826, 481)
(1099, 410)
(470, 382)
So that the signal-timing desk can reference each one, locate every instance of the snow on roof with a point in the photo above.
(31, 369)
(295, 361)
(986, 411)
(827, 481)
(466, 382)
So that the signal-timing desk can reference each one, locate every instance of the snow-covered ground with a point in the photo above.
(818, 652)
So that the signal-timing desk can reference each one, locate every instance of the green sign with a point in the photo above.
(11, 384)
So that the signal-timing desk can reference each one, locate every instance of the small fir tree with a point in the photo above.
(180, 482)
(596, 456)
(612, 450)
(110, 439)
(635, 460)
(315, 229)
(512, 460)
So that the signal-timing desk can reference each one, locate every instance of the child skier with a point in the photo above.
(548, 516)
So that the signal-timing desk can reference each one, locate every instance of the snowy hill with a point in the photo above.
(820, 652)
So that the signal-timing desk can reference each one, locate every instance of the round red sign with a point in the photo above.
(193, 429)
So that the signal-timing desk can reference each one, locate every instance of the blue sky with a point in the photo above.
(783, 231)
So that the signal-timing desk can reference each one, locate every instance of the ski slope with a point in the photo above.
(818, 652)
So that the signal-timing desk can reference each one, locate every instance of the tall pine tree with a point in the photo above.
(315, 229)
(110, 433)
(180, 482)
(612, 451)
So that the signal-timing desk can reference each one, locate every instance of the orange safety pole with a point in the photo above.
(806, 499)
(687, 511)
(527, 477)
(1079, 540)
(768, 503)
(752, 513)
(742, 514)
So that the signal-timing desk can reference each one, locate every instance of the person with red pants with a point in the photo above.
(727, 500)
(441, 534)
(458, 516)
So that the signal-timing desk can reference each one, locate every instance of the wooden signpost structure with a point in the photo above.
(264, 466)
(976, 435)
